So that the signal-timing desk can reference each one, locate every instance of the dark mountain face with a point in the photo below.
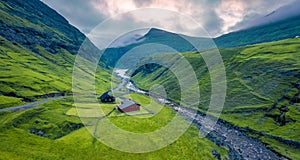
(33, 24)
(283, 29)
(173, 43)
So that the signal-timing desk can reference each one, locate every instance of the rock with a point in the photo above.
(32, 131)
(40, 133)
(216, 154)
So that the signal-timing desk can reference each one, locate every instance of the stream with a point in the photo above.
(239, 144)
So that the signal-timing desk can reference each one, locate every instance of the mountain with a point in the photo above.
(285, 12)
(278, 30)
(283, 29)
(177, 42)
(37, 52)
(38, 48)
(29, 25)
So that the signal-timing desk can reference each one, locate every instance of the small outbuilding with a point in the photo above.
(107, 97)
(128, 106)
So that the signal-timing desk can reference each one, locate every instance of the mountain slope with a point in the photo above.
(279, 30)
(262, 80)
(36, 59)
(283, 29)
(38, 48)
(29, 24)
(154, 36)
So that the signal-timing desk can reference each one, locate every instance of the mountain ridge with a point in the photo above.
(29, 25)
(282, 29)
(37, 59)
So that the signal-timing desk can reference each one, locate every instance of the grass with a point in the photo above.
(286, 150)
(144, 124)
(25, 76)
(64, 142)
(146, 102)
(257, 77)
(6, 101)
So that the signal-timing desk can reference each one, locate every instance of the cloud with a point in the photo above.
(239, 14)
(230, 12)
(216, 16)
(292, 8)
(142, 3)
(78, 12)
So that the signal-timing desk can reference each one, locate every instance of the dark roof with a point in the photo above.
(126, 103)
(106, 94)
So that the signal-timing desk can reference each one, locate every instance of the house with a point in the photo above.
(128, 106)
(107, 97)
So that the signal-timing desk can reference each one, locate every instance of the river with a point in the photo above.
(239, 144)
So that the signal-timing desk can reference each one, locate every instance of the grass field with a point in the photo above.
(261, 79)
(65, 138)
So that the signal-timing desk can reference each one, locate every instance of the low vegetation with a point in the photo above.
(262, 89)
(27, 76)
(64, 137)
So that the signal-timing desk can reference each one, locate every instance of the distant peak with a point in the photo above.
(156, 30)
(153, 32)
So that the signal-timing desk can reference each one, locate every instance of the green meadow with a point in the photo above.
(261, 79)
(64, 136)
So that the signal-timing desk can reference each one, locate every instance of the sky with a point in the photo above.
(217, 17)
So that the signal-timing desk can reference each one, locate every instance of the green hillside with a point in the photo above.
(38, 48)
(30, 24)
(37, 51)
(278, 30)
(27, 76)
(262, 80)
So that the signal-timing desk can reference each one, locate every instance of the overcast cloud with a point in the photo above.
(216, 16)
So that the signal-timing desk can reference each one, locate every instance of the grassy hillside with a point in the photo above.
(283, 29)
(34, 23)
(26, 76)
(37, 50)
(262, 81)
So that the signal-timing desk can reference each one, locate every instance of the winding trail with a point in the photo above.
(240, 145)
(33, 104)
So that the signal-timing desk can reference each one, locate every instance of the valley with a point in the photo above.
(48, 109)
(251, 92)
(238, 143)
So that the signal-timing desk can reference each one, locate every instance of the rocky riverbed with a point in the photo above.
(239, 144)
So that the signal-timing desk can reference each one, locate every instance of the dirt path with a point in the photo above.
(33, 104)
